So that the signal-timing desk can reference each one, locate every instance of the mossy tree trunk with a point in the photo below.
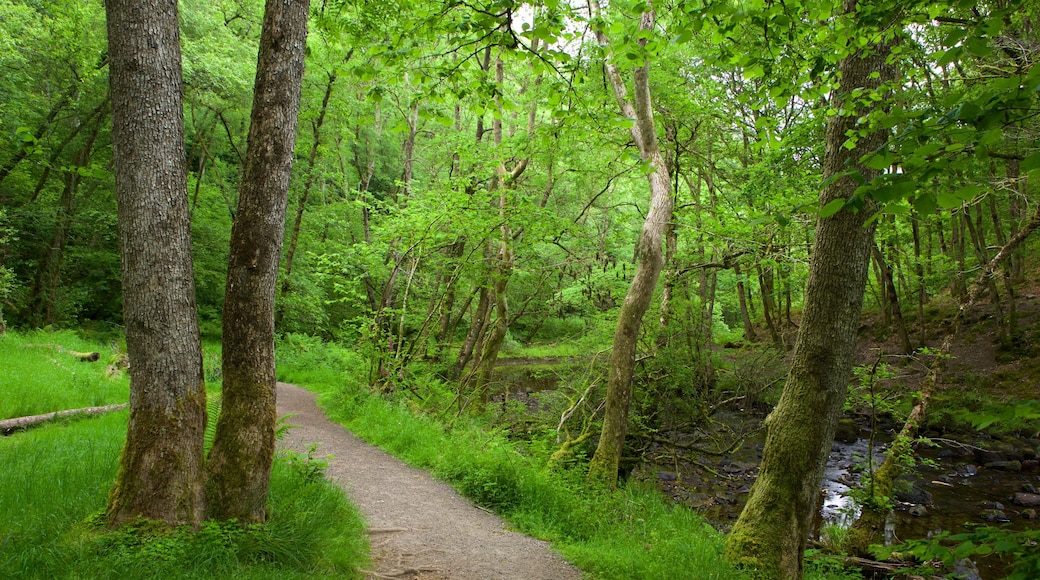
(240, 462)
(604, 463)
(161, 468)
(772, 530)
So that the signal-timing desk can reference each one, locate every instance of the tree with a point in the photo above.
(604, 464)
(772, 530)
(240, 462)
(161, 467)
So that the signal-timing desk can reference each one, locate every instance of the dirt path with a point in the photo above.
(418, 527)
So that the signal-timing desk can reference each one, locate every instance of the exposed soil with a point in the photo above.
(418, 527)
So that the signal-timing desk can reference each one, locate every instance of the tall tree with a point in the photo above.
(161, 468)
(243, 449)
(772, 530)
(604, 464)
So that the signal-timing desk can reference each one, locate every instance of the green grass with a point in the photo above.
(54, 486)
(626, 534)
(37, 377)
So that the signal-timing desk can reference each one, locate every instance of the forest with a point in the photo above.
(683, 244)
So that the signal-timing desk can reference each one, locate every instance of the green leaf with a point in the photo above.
(1030, 163)
(684, 36)
(925, 204)
(896, 209)
(968, 192)
(947, 200)
(964, 550)
(880, 161)
(979, 46)
(832, 207)
(950, 56)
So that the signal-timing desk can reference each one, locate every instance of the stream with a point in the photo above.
(953, 486)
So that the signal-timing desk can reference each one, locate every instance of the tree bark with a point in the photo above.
(161, 467)
(650, 256)
(240, 462)
(773, 528)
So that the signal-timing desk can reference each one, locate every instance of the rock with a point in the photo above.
(985, 456)
(967, 470)
(994, 516)
(666, 476)
(908, 491)
(992, 505)
(1029, 488)
(918, 511)
(965, 569)
(847, 431)
(1029, 514)
(1026, 499)
(1013, 466)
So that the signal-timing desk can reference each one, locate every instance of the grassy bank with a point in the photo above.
(55, 483)
(632, 533)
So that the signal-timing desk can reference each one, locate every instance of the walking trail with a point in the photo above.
(419, 528)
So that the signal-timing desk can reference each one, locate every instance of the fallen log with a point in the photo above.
(8, 426)
(80, 356)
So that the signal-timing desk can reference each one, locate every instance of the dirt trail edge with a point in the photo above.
(418, 527)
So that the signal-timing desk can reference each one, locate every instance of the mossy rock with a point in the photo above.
(847, 431)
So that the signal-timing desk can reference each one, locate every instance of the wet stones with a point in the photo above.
(1025, 499)
(994, 516)
(1013, 466)
(909, 491)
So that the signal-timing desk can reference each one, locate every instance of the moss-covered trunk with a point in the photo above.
(240, 462)
(160, 471)
(773, 528)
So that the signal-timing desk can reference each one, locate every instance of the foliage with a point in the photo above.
(1017, 549)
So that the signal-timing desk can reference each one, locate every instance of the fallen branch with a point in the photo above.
(888, 568)
(7, 426)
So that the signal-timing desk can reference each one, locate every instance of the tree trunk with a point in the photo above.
(1016, 210)
(765, 289)
(604, 463)
(749, 329)
(161, 466)
(476, 328)
(893, 300)
(922, 292)
(240, 462)
(294, 235)
(773, 528)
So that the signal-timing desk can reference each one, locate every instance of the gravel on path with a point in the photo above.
(419, 528)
